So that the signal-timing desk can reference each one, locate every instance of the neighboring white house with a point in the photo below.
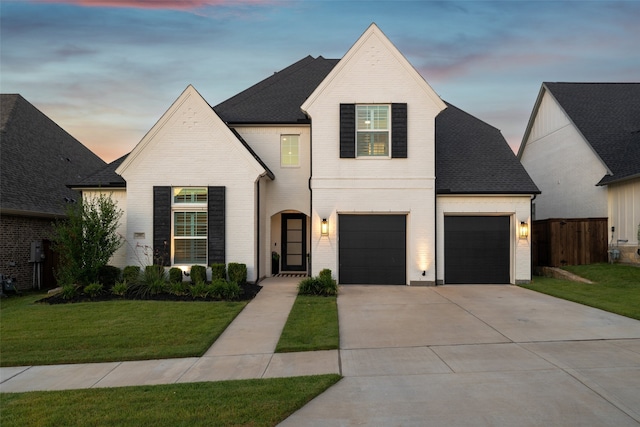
(355, 165)
(582, 148)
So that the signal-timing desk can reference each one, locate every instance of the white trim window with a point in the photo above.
(373, 125)
(189, 225)
(289, 151)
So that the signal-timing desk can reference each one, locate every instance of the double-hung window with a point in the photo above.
(373, 126)
(189, 217)
(289, 151)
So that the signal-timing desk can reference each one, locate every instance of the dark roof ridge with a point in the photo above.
(267, 81)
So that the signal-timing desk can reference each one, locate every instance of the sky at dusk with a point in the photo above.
(106, 70)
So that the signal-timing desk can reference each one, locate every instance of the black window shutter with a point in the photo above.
(162, 225)
(347, 131)
(216, 209)
(399, 131)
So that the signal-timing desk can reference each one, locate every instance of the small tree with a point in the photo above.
(86, 239)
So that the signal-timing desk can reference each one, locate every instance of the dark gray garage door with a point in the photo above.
(476, 249)
(372, 249)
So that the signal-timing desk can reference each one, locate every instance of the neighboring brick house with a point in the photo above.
(582, 148)
(355, 165)
(37, 160)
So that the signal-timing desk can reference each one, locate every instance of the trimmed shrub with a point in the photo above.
(93, 289)
(131, 274)
(175, 275)
(108, 275)
(322, 285)
(218, 271)
(198, 274)
(237, 273)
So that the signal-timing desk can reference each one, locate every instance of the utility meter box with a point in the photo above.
(37, 252)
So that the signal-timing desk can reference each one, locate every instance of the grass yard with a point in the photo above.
(43, 334)
(312, 325)
(616, 288)
(230, 403)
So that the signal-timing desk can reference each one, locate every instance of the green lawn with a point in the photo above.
(616, 288)
(230, 403)
(312, 325)
(43, 334)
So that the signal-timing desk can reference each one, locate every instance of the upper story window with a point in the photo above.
(190, 225)
(372, 130)
(289, 150)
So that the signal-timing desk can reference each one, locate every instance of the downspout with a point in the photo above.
(258, 230)
(309, 270)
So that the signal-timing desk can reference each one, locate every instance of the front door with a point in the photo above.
(294, 242)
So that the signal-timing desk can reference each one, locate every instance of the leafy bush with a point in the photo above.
(178, 288)
(69, 291)
(120, 288)
(175, 275)
(224, 290)
(218, 271)
(199, 290)
(131, 274)
(198, 274)
(237, 273)
(93, 289)
(323, 285)
(86, 239)
(109, 275)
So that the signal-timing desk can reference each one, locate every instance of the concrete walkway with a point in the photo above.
(244, 350)
(443, 356)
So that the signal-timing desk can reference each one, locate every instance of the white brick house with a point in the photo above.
(411, 190)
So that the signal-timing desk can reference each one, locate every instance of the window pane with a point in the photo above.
(190, 251)
(289, 150)
(189, 195)
(372, 117)
(190, 224)
(373, 144)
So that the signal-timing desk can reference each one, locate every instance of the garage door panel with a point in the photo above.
(372, 249)
(477, 249)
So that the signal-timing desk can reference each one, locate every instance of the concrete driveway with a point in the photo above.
(478, 356)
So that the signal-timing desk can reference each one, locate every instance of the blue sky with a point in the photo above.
(106, 70)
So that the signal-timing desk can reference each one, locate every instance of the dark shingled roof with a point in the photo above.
(608, 116)
(38, 159)
(473, 157)
(105, 177)
(277, 99)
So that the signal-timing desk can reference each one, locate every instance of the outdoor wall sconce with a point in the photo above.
(524, 230)
(324, 227)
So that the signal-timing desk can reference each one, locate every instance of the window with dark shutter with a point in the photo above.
(162, 225)
(347, 131)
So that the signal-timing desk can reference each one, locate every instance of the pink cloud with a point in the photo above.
(157, 4)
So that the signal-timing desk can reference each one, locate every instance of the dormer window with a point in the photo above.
(372, 130)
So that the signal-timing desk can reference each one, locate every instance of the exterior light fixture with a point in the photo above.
(524, 230)
(324, 227)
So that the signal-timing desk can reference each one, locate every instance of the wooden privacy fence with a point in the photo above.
(558, 242)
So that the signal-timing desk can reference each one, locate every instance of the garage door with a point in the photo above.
(476, 249)
(372, 249)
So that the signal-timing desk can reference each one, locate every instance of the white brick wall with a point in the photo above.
(191, 146)
(624, 212)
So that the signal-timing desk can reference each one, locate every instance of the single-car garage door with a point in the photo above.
(476, 249)
(372, 249)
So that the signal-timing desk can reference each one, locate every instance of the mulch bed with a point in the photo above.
(249, 291)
